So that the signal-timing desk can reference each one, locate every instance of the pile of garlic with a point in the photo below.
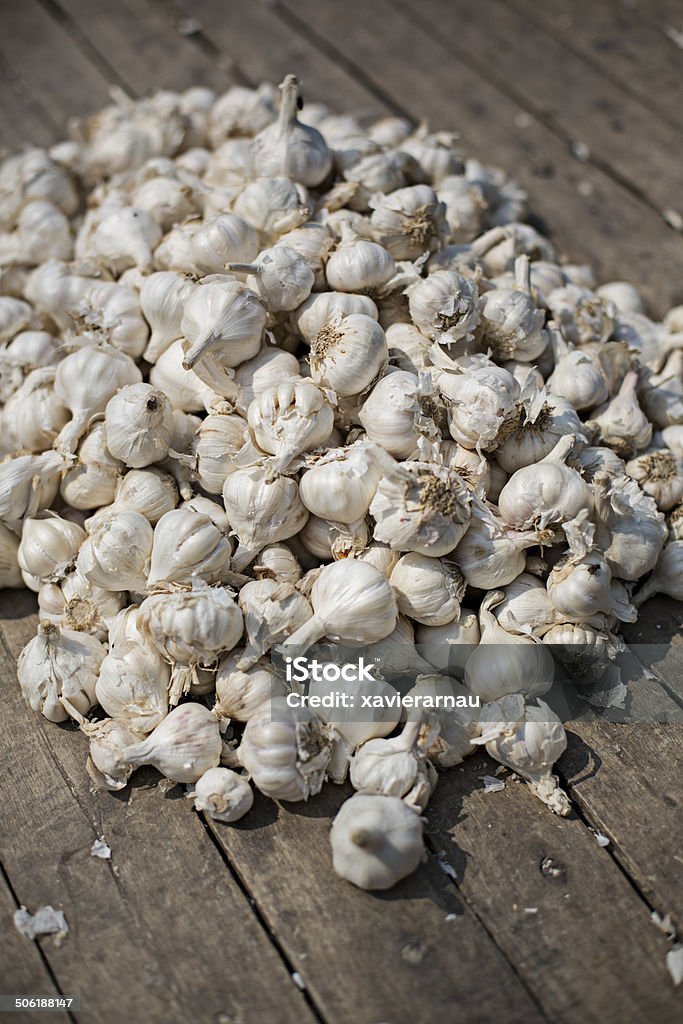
(271, 378)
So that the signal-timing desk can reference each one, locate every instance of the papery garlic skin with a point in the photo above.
(59, 663)
(278, 562)
(340, 485)
(224, 319)
(285, 751)
(280, 276)
(93, 481)
(187, 545)
(116, 553)
(48, 549)
(261, 511)
(349, 354)
(376, 841)
(429, 590)
(660, 474)
(272, 611)
(388, 767)
(666, 577)
(445, 306)
(34, 415)
(223, 239)
(28, 484)
(288, 146)
(185, 745)
(421, 507)
(290, 418)
(409, 222)
(162, 299)
(223, 795)
(546, 494)
(325, 308)
(139, 425)
(241, 692)
(133, 686)
(148, 491)
(482, 405)
(622, 424)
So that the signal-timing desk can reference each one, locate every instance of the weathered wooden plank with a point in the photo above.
(143, 46)
(22, 969)
(414, 955)
(574, 930)
(564, 90)
(627, 780)
(159, 929)
(22, 121)
(619, 39)
(590, 217)
(62, 79)
(657, 641)
(265, 48)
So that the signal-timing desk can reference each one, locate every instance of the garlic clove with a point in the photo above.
(376, 841)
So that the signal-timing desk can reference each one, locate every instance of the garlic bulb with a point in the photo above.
(261, 511)
(446, 732)
(395, 655)
(148, 491)
(187, 546)
(124, 237)
(217, 441)
(526, 607)
(621, 423)
(662, 395)
(482, 405)
(28, 484)
(82, 606)
(162, 299)
(34, 415)
(409, 222)
(220, 240)
(445, 306)
(347, 355)
(491, 554)
(666, 577)
(132, 686)
(268, 367)
(545, 420)
(582, 315)
(272, 206)
(183, 388)
(578, 375)
(182, 747)
(286, 751)
(92, 482)
(48, 549)
(448, 647)
(340, 484)
(277, 562)
(408, 348)
(241, 692)
(546, 494)
(396, 414)
(313, 242)
(279, 276)
(528, 743)
(357, 264)
(629, 528)
(328, 540)
(15, 315)
(139, 423)
(289, 419)
(226, 319)
(429, 590)
(580, 589)
(512, 325)
(353, 603)
(272, 611)
(376, 841)
(471, 466)
(381, 556)
(10, 572)
(85, 381)
(392, 767)
(324, 309)
(421, 507)
(116, 553)
(59, 663)
(190, 628)
(660, 474)
(288, 147)
(223, 795)
(505, 663)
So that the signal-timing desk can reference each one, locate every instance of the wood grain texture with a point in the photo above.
(574, 933)
(143, 46)
(590, 217)
(22, 969)
(636, 146)
(62, 79)
(413, 955)
(628, 43)
(161, 931)
(23, 123)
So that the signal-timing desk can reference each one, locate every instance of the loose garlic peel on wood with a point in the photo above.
(269, 382)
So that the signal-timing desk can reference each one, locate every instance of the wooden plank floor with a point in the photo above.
(191, 921)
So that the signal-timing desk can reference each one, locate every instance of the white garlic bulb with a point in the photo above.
(528, 742)
(580, 588)
(34, 415)
(289, 419)
(286, 751)
(340, 484)
(381, 556)
(138, 420)
(578, 375)
(267, 368)
(223, 795)
(328, 540)
(662, 394)
(85, 381)
(182, 747)
(92, 482)
(408, 348)
(261, 511)
(124, 237)
(132, 686)
(272, 611)
(546, 494)
(288, 146)
(445, 306)
(660, 474)
(353, 603)
(116, 553)
(491, 554)
(666, 577)
(325, 308)
(149, 491)
(277, 562)
(512, 325)
(241, 692)
(83, 606)
(545, 420)
(447, 715)
(183, 388)
(429, 590)
(272, 206)
(390, 767)
(482, 405)
(409, 221)
(376, 841)
(357, 264)
(187, 545)
(448, 647)
(349, 354)
(526, 607)
(279, 276)
(48, 549)
(223, 239)
(421, 507)
(226, 319)
(505, 663)
(162, 299)
(59, 663)
(623, 426)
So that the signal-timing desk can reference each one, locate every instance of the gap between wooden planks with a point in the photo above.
(158, 927)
